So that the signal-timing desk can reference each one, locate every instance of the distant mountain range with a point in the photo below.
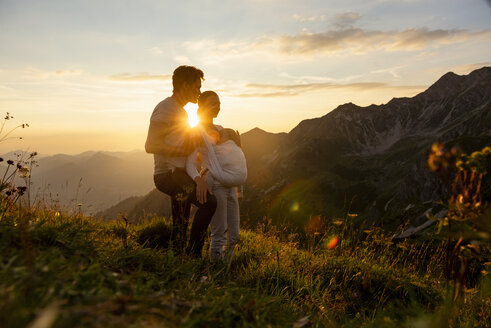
(93, 180)
(365, 160)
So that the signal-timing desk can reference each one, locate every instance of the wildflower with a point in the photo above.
(301, 322)
(23, 171)
(10, 162)
(437, 149)
(1, 159)
(315, 226)
(461, 198)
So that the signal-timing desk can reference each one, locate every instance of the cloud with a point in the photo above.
(302, 19)
(220, 48)
(466, 69)
(346, 39)
(391, 70)
(68, 72)
(360, 40)
(342, 37)
(38, 74)
(264, 95)
(213, 52)
(281, 90)
(346, 19)
(139, 77)
(156, 51)
(181, 59)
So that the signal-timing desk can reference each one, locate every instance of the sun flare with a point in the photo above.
(192, 110)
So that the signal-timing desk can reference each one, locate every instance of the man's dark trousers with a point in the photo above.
(182, 190)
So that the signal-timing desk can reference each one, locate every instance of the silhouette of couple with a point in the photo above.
(177, 147)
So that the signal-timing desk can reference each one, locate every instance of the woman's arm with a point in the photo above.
(202, 189)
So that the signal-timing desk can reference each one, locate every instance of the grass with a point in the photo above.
(76, 271)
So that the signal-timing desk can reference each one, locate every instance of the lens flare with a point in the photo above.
(291, 196)
(331, 243)
(192, 110)
(295, 207)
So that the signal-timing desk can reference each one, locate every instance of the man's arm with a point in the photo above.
(171, 139)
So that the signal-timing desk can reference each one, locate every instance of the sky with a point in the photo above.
(86, 75)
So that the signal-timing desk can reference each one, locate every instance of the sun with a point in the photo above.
(192, 110)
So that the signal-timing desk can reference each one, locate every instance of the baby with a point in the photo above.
(229, 134)
(226, 161)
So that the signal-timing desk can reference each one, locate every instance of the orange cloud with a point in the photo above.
(342, 38)
(279, 90)
(139, 77)
(466, 69)
(360, 40)
(38, 74)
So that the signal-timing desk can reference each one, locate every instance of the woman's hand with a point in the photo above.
(202, 189)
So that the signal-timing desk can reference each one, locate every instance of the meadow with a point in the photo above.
(65, 270)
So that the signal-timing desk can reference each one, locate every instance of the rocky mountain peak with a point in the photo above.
(447, 83)
(451, 84)
(481, 72)
(255, 132)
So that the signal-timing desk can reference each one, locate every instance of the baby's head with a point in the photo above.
(229, 134)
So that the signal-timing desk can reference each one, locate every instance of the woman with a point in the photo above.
(225, 165)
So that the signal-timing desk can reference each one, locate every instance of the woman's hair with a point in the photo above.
(203, 98)
(185, 74)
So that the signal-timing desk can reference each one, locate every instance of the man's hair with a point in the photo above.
(203, 97)
(185, 74)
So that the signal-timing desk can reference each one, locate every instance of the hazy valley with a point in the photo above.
(92, 180)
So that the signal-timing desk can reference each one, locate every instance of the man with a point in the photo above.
(171, 140)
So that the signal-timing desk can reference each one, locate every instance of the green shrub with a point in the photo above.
(157, 234)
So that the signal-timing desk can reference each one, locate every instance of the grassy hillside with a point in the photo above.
(74, 271)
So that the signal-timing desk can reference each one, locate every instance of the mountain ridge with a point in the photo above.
(381, 145)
